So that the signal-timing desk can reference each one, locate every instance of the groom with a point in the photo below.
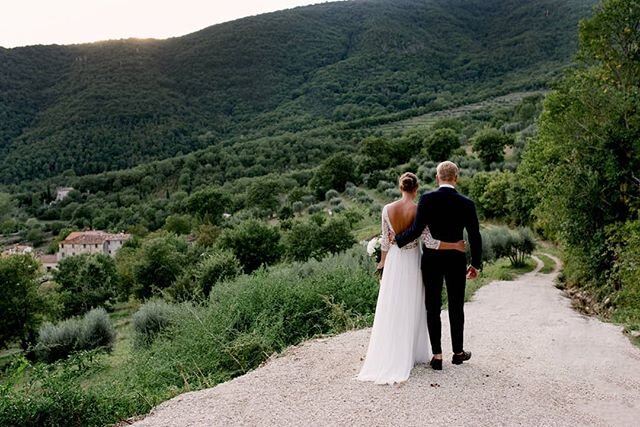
(447, 213)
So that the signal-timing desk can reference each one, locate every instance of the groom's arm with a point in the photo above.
(475, 238)
(419, 223)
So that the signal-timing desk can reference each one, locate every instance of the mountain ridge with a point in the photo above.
(111, 105)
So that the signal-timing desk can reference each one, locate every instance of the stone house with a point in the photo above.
(91, 242)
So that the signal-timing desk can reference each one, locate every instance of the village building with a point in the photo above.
(17, 250)
(91, 242)
(49, 262)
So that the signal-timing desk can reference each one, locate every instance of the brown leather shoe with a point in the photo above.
(459, 358)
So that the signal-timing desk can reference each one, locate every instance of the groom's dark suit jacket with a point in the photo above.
(447, 213)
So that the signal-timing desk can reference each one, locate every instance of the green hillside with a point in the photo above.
(90, 108)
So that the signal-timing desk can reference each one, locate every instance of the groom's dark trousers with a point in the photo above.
(452, 267)
(448, 214)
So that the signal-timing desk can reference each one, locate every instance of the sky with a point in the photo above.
(29, 22)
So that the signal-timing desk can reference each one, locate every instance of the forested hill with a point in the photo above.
(111, 105)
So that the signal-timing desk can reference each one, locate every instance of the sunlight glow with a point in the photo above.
(28, 22)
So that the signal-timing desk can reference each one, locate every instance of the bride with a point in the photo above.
(399, 338)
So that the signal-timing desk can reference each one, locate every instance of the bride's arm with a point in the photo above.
(385, 242)
(431, 243)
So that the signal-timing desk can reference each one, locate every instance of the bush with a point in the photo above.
(312, 239)
(158, 263)
(20, 302)
(441, 143)
(151, 319)
(297, 207)
(249, 319)
(335, 201)
(501, 242)
(216, 267)
(244, 322)
(86, 282)
(331, 194)
(314, 209)
(91, 332)
(393, 193)
(624, 241)
(254, 243)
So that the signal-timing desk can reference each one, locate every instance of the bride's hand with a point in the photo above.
(460, 246)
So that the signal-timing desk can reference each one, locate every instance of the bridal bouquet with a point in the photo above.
(374, 248)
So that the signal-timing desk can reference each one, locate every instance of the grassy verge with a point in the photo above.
(243, 324)
(549, 264)
(499, 270)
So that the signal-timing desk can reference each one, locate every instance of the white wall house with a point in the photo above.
(91, 242)
(17, 250)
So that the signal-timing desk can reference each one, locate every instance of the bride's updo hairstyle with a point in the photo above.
(408, 182)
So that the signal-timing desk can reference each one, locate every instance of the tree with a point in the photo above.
(178, 224)
(216, 267)
(333, 173)
(497, 195)
(377, 153)
(161, 260)
(86, 282)
(6, 205)
(262, 194)
(489, 144)
(315, 239)
(20, 303)
(209, 203)
(581, 170)
(441, 143)
(254, 243)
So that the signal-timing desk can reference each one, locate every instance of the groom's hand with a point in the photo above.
(472, 272)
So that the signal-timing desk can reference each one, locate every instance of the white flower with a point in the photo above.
(372, 245)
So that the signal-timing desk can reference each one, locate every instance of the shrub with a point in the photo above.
(392, 193)
(384, 185)
(245, 321)
(160, 261)
(97, 331)
(312, 239)
(216, 267)
(91, 332)
(441, 143)
(489, 144)
(86, 282)
(297, 207)
(151, 318)
(501, 242)
(333, 173)
(20, 302)
(178, 224)
(624, 241)
(335, 201)
(331, 194)
(364, 199)
(314, 209)
(254, 243)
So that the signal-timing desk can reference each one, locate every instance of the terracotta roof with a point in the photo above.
(49, 259)
(93, 237)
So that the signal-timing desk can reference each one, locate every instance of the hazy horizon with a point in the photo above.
(38, 22)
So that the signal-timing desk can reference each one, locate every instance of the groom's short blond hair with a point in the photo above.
(447, 171)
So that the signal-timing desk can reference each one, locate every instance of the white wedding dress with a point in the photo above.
(399, 338)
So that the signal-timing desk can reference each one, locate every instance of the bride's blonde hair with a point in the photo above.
(408, 182)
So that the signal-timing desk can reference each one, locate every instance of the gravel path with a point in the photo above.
(536, 362)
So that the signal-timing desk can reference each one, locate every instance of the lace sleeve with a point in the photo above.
(428, 240)
(387, 234)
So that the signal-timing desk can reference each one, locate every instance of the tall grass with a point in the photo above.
(244, 322)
